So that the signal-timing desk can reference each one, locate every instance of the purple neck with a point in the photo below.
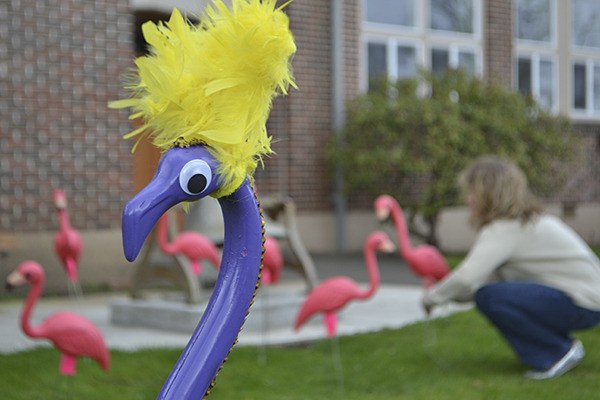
(216, 333)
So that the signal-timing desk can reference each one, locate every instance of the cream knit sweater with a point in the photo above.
(544, 251)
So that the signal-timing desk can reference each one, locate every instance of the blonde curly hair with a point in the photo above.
(498, 190)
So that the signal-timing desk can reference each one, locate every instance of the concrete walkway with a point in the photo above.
(393, 306)
(399, 303)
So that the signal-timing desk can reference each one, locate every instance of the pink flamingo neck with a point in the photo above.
(372, 269)
(63, 220)
(32, 296)
(163, 239)
(401, 229)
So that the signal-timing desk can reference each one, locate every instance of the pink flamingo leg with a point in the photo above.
(71, 269)
(196, 268)
(67, 365)
(266, 277)
(330, 320)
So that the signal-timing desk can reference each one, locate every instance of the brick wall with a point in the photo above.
(498, 41)
(583, 183)
(301, 124)
(352, 46)
(60, 63)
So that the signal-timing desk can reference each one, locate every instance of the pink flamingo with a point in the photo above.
(334, 293)
(272, 265)
(193, 245)
(425, 260)
(73, 335)
(67, 241)
(272, 262)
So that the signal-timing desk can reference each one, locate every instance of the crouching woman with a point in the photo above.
(530, 274)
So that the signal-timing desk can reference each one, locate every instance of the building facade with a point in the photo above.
(62, 61)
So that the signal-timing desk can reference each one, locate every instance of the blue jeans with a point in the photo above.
(536, 320)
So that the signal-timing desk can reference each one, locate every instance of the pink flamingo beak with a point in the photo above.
(382, 213)
(15, 279)
(387, 246)
(60, 200)
(383, 206)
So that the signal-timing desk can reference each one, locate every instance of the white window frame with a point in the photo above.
(454, 49)
(385, 27)
(423, 39)
(589, 113)
(552, 43)
(536, 57)
(477, 23)
(536, 50)
(590, 57)
(391, 44)
(571, 22)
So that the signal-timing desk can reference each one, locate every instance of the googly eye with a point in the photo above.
(195, 176)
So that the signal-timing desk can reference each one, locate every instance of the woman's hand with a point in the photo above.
(428, 308)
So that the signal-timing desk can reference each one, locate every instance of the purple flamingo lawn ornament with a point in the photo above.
(205, 92)
(238, 273)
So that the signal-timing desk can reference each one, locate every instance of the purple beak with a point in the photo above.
(176, 180)
(141, 214)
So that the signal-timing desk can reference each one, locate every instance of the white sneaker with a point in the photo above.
(565, 364)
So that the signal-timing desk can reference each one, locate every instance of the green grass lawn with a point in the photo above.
(459, 357)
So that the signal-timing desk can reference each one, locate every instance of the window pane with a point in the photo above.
(377, 61)
(466, 61)
(452, 15)
(439, 60)
(397, 12)
(546, 98)
(524, 75)
(579, 86)
(533, 20)
(597, 88)
(407, 62)
(586, 23)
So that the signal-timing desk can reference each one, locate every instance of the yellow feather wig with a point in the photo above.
(213, 83)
